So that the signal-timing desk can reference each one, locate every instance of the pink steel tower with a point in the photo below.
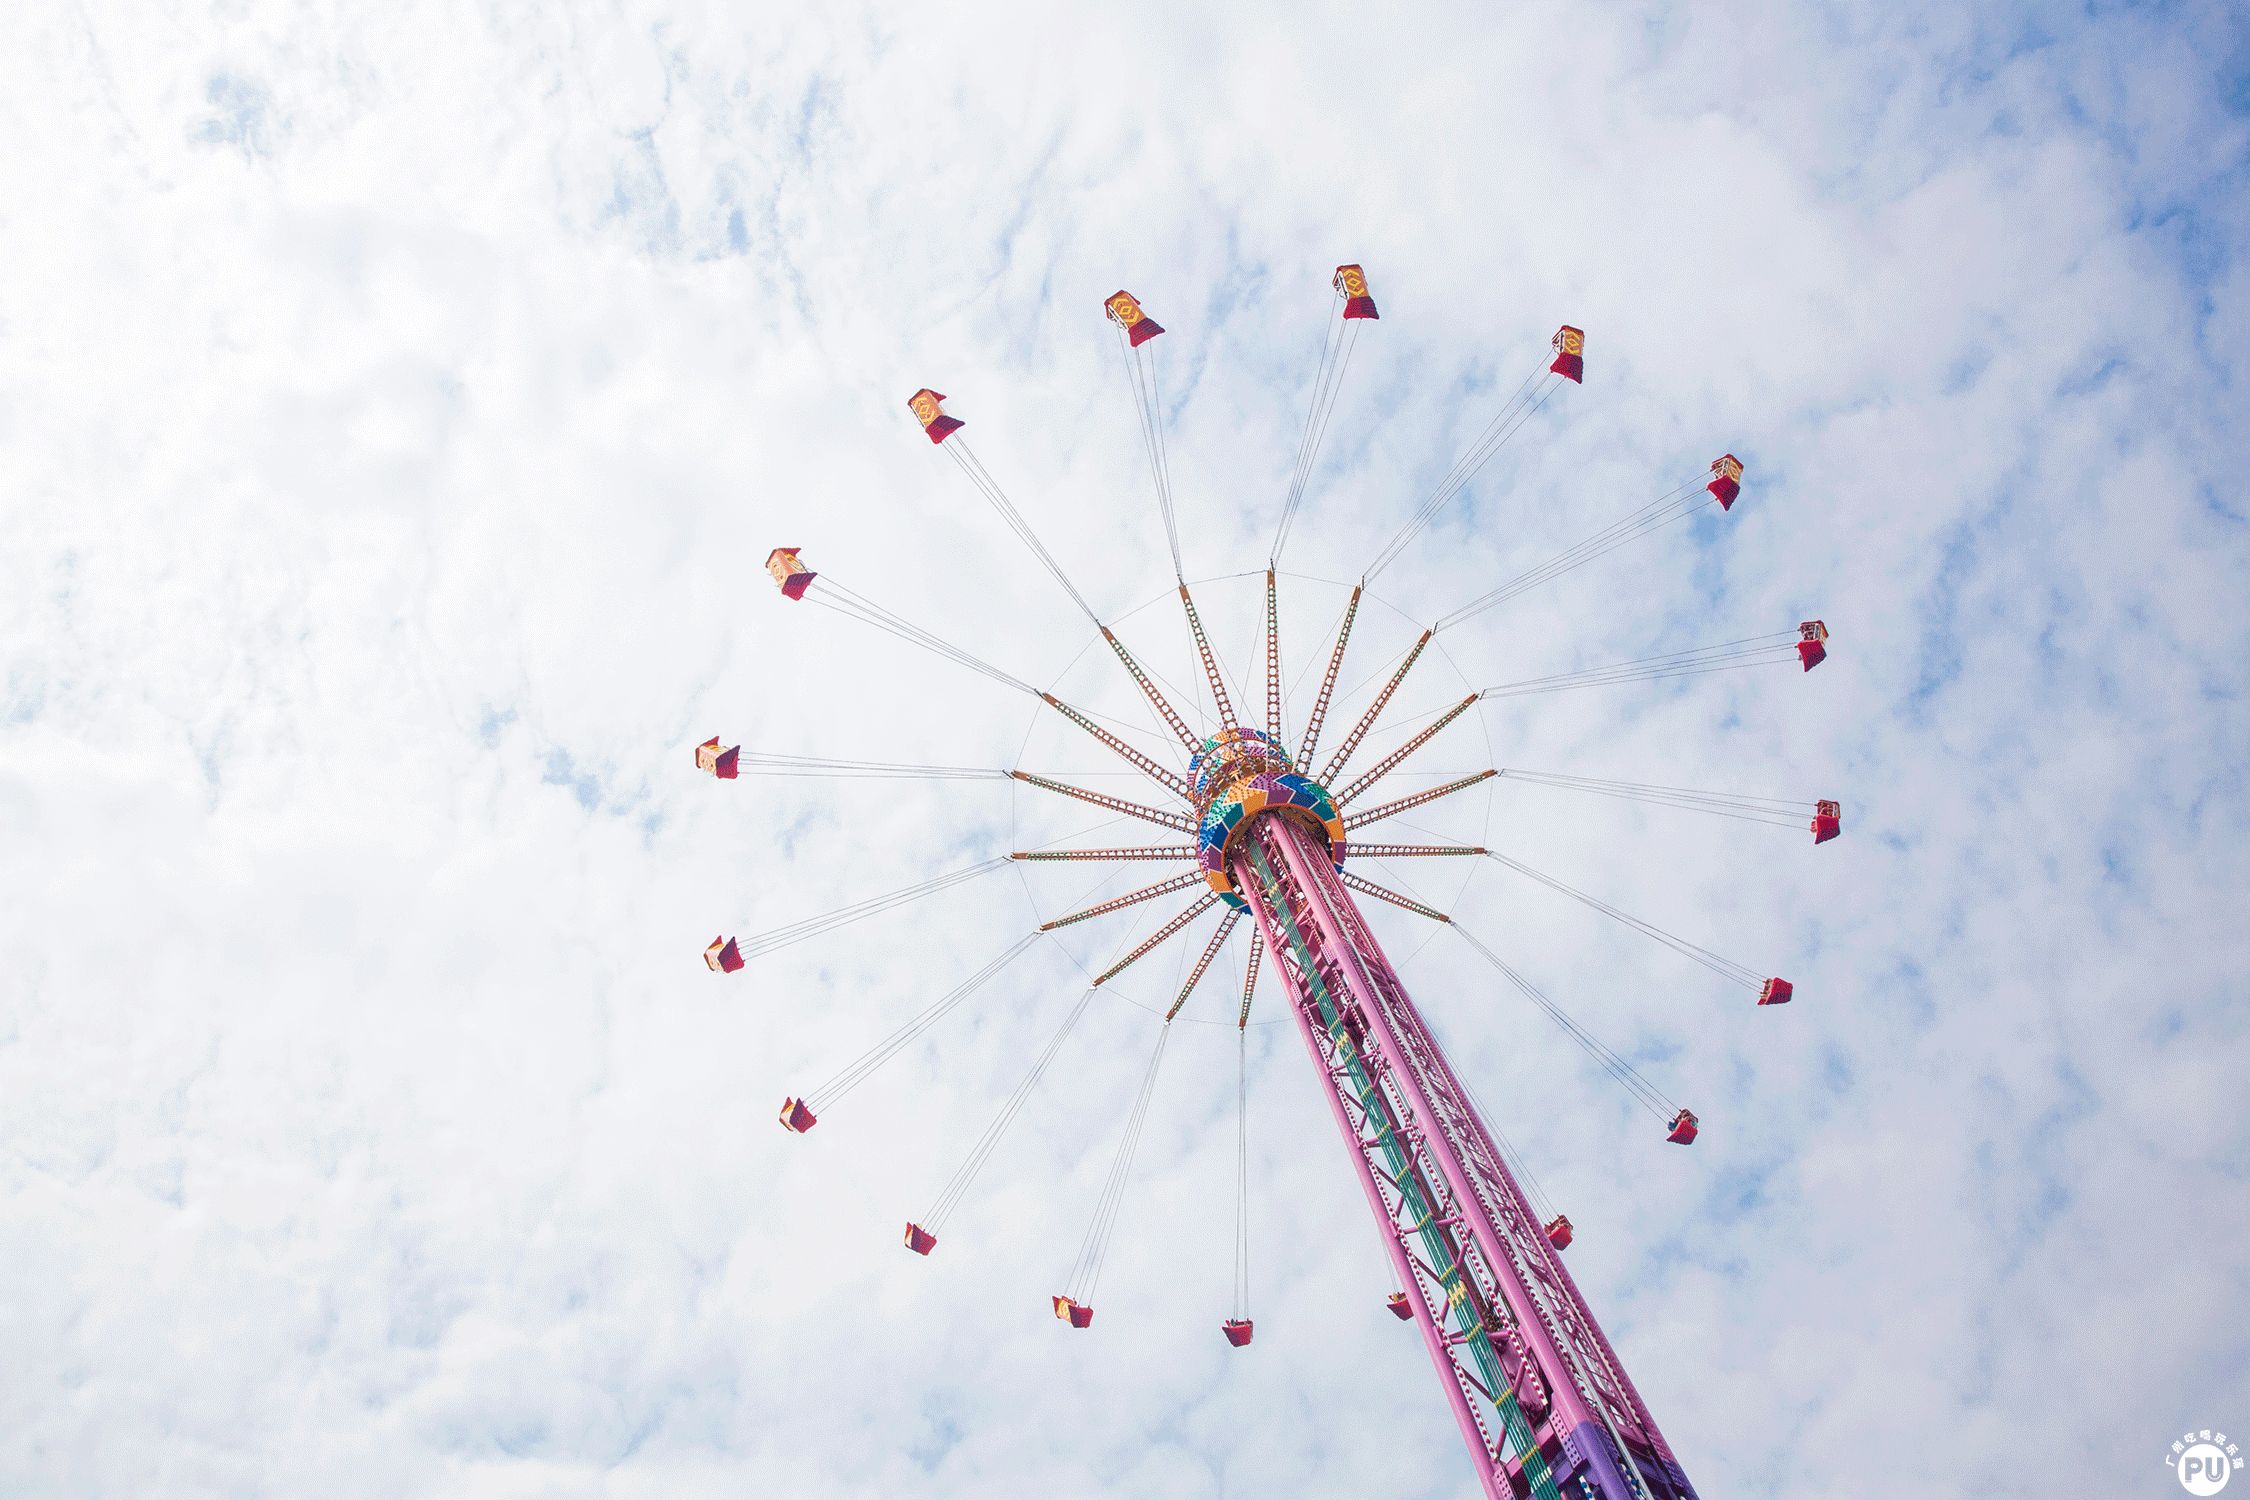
(1542, 1400)
(1540, 1395)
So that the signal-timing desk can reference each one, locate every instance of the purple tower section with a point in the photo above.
(1541, 1399)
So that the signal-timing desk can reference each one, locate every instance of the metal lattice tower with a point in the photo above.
(1541, 1399)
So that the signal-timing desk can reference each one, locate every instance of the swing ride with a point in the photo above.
(1257, 824)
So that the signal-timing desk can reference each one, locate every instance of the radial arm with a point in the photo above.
(1374, 711)
(1385, 893)
(1130, 898)
(1211, 673)
(1380, 811)
(1171, 820)
(1156, 939)
(1273, 660)
(1171, 781)
(1148, 688)
(1203, 964)
(1392, 761)
(1328, 682)
(1101, 856)
(1250, 977)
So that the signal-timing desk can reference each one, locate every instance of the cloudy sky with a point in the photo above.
(397, 404)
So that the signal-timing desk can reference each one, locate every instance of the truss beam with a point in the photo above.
(1385, 893)
(1149, 690)
(1273, 660)
(1203, 964)
(1175, 821)
(1211, 672)
(1380, 811)
(1099, 856)
(1155, 940)
(1171, 781)
(1328, 680)
(1374, 712)
(1130, 898)
(1392, 761)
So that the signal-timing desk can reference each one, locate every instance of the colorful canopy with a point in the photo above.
(1811, 650)
(1125, 311)
(788, 571)
(1570, 354)
(720, 763)
(1726, 480)
(1352, 282)
(924, 403)
(1298, 796)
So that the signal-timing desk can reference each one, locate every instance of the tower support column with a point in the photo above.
(1541, 1402)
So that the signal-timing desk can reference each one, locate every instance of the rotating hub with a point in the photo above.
(1238, 774)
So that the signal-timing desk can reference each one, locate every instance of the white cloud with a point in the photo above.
(398, 407)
